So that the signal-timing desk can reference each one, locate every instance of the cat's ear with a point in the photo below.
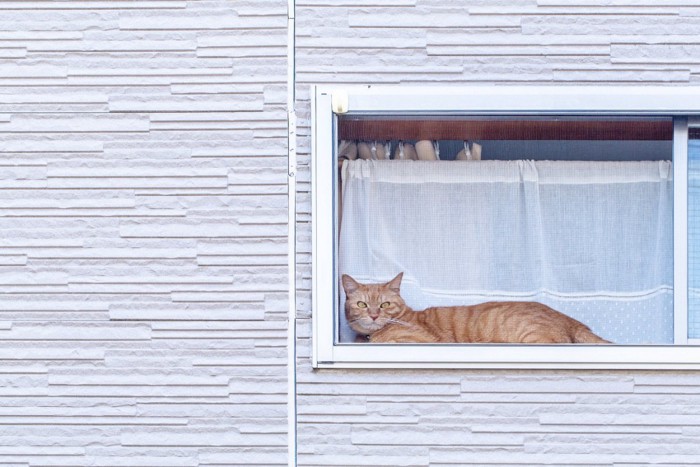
(395, 283)
(349, 284)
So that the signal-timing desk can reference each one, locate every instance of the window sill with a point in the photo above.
(499, 356)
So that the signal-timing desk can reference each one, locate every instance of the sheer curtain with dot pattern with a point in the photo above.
(593, 240)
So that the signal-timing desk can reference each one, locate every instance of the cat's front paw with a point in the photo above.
(361, 339)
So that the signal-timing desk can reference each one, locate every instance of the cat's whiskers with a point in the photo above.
(398, 321)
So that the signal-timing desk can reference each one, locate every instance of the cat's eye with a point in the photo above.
(362, 304)
(385, 305)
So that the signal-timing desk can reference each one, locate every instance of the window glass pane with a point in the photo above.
(572, 213)
(694, 234)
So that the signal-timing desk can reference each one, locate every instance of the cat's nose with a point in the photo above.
(374, 318)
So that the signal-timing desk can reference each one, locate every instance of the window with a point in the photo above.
(578, 201)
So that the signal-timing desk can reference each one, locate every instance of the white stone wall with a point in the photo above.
(143, 207)
(499, 418)
(143, 235)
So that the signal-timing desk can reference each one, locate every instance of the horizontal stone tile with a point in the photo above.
(343, 388)
(233, 297)
(605, 3)
(185, 313)
(655, 53)
(9, 71)
(264, 328)
(93, 46)
(351, 3)
(200, 229)
(618, 419)
(48, 353)
(76, 332)
(51, 305)
(13, 260)
(116, 253)
(133, 170)
(239, 361)
(548, 384)
(428, 435)
(72, 203)
(428, 19)
(518, 50)
(363, 460)
(613, 25)
(232, 40)
(97, 5)
(12, 52)
(245, 458)
(204, 22)
(208, 438)
(19, 35)
(92, 420)
(155, 379)
(56, 145)
(133, 182)
(667, 389)
(446, 456)
(138, 391)
(170, 103)
(211, 410)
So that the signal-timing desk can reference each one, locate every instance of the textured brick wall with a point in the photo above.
(143, 233)
(442, 418)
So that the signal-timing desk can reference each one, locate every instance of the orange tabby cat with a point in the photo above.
(378, 311)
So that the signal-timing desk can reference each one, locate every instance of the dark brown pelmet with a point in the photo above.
(367, 128)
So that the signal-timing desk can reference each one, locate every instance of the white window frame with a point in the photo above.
(682, 103)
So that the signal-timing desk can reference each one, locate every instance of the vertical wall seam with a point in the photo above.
(291, 240)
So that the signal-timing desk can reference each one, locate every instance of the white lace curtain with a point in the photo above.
(591, 239)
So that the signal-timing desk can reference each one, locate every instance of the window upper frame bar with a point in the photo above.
(518, 100)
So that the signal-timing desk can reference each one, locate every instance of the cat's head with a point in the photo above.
(370, 307)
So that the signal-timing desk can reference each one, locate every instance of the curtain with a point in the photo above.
(593, 240)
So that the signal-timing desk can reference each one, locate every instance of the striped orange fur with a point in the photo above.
(378, 311)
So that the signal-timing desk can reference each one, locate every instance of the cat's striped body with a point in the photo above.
(377, 310)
